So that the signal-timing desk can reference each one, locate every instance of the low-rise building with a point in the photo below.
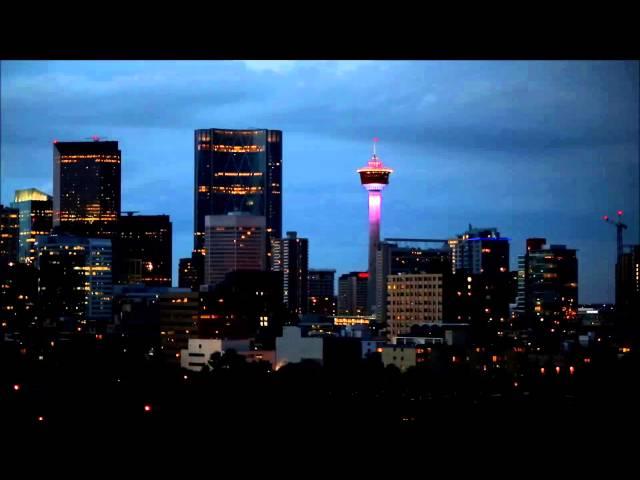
(199, 351)
(292, 347)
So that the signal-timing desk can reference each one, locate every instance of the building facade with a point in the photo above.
(396, 256)
(9, 233)
(290, 255)
(238, 171)
(76, 286)
(86, 188)
(414, 299)
(547, 286)
(35, 217)
(188, 274)
(178, 320)
(322, 299)
(481, 250)
(233, 242)
(142, 250)
(352, 293)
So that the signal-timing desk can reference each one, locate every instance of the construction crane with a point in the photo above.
(619, 228)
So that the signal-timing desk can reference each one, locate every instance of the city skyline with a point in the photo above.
(575, 122)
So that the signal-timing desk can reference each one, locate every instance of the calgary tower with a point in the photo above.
(374, 177)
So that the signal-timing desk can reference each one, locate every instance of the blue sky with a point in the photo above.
(533, 148)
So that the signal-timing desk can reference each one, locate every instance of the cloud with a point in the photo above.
(530, 147)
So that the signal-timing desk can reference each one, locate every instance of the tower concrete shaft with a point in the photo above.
(374, 177)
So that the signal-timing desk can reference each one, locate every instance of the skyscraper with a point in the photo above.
(142, 250)
(352, 293)
(482, 250)
(548, 290)
(322, 298)
(188, 274)
(233, 242)
(290, 256)
(482, 284)
(36, 218)
(86, 188)
(628, 283)
(9, 228)
(407, 255)
(9, 233)
(238, 171)
(374, 177)
(76, 287)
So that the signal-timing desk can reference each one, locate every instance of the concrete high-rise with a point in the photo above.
(481, 250)
(414, 299)
(374, 177)
(233, 242)
(548, 285)
(86, 188)
(322, 299)
(290, 255)
(352, 293)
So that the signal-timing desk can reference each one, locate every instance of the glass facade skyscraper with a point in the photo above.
(35, 216)
(86, 188)
(238, 171)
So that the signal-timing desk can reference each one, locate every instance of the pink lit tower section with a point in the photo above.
(374, 177)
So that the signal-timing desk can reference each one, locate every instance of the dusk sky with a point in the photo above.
(536, 149)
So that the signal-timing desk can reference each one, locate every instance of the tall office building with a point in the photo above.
(9, 233)
(178, 320)
(407, 255)
(35, 217)
(188, 274)
(233, 242)
(523, 299)
(374, 177)
(482, 284)
(76, 287)
(290, 256)
(628, 284)
(245, 304)
(481, 250)
(322, 298)
(142, 250)
(548, 289)
(86, 188)
(414, 299)
(238, 171)
(9, 229)
(352, 293)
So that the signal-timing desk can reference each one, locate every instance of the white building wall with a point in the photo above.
(292, 347)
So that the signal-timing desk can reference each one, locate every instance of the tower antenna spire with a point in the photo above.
(375, 141)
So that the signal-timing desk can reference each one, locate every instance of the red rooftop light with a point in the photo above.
(620, 212)
(605, 218)
(16, 387)
(147, 408)
(363, 275)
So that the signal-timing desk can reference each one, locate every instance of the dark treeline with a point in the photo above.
(86, 383)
